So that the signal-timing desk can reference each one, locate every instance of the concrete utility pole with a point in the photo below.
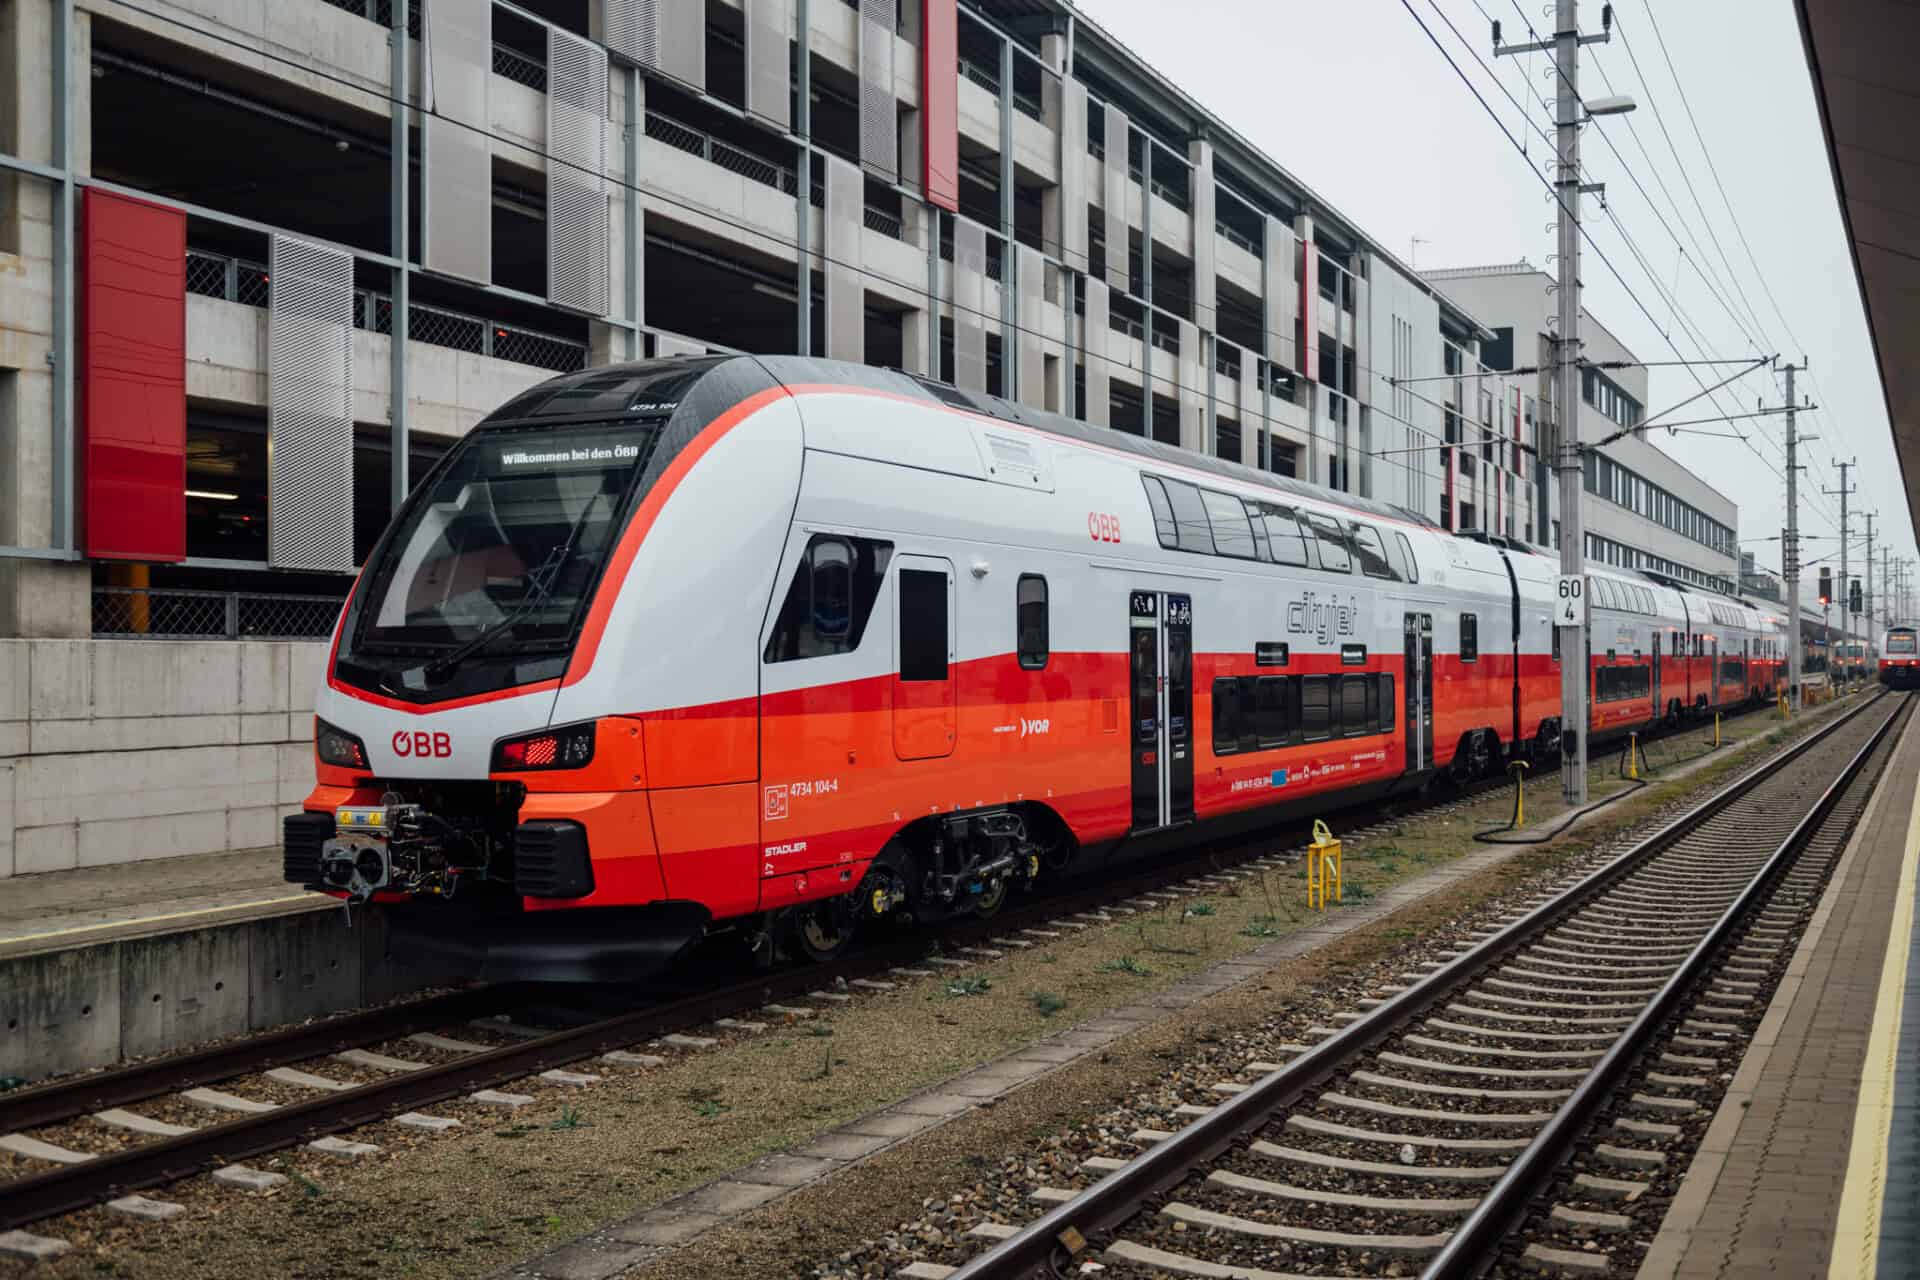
(1866, 591)
(1569, 114)
(1790, 552)
(1844, 490)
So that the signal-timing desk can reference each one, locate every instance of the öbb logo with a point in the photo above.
(1102, 527)
(421, 744)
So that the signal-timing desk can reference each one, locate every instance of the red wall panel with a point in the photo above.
(133, 379)
(940, 102)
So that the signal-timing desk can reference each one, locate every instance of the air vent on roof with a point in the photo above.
(1016, 461)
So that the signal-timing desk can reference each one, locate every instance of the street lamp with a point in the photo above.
(1617, 105)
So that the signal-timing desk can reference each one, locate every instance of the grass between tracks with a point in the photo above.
(504, 1188)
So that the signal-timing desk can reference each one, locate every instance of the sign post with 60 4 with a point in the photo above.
(1570, 600)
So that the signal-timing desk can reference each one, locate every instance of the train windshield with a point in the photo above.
(506, 544)
(1899, 642)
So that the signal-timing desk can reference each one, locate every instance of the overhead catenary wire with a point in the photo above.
(1701, 262)
(1652, 275)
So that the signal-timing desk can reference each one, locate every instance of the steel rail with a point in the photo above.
(39, 1196)
(1116, 1197)
(44, 1195)
(65, 1099)
(1472, 1246)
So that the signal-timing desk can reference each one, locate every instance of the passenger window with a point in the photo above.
(1189, 518)
(1271, 721)
(1227, 715)
(1284, 538)
(1332, 543)
(1389, 709)
(1030, 621)
(1315, 708)
(1470, 637)
(923, 625)
(1259, 527)
(831, 597)
(1355, 718)
(1162, 512)
(1406, 549)
(1373, 557)
(1232, 535)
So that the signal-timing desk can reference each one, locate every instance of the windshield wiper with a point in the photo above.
(540, 580)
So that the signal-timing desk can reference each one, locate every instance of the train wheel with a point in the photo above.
(988, 901)
(821, 932)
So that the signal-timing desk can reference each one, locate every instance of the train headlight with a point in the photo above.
(337, 747)
(569, 747)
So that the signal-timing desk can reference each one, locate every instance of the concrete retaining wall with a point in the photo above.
(121, 750)
(98, 1005)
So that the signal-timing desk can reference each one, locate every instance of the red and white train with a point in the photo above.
(1899, 662)
(786, 645)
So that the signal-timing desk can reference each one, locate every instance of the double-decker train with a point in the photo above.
(1899, 663)
(787, 646)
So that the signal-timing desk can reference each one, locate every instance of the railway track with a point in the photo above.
(1420, 1135)
(163, 1120)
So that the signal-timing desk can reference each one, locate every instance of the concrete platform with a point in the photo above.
(102, 964)
(59, 910)
(1811, 1166)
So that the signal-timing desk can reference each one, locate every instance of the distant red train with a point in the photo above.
(787, 646)
(1899, 663)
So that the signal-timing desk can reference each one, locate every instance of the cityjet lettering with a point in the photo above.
(1322, 619)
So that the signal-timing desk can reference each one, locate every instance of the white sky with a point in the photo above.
(1354, 100)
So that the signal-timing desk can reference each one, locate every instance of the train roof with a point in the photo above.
(625, 388)
(652, 384)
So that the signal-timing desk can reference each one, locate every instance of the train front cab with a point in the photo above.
(537, 741)
(1899, 661)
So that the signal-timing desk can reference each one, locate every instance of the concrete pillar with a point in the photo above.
(1190, 391)
(1200, 154)
(37, 598)
(1030, 289)
(1095, 333)
(627, 262)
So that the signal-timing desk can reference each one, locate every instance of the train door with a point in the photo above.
(1419, 686)
(1659, 706)
(923, 651)
(1160, 649)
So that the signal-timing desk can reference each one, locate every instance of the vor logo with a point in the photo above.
(1034, 726)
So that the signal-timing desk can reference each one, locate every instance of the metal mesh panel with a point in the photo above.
(576, 183)
(457, 163)
(309, 407)
(879, 124)
(441, 328)
(519, 67)
(769, 60)
(525, 346)
(206, 275)
(139, 613)
(631, 30)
